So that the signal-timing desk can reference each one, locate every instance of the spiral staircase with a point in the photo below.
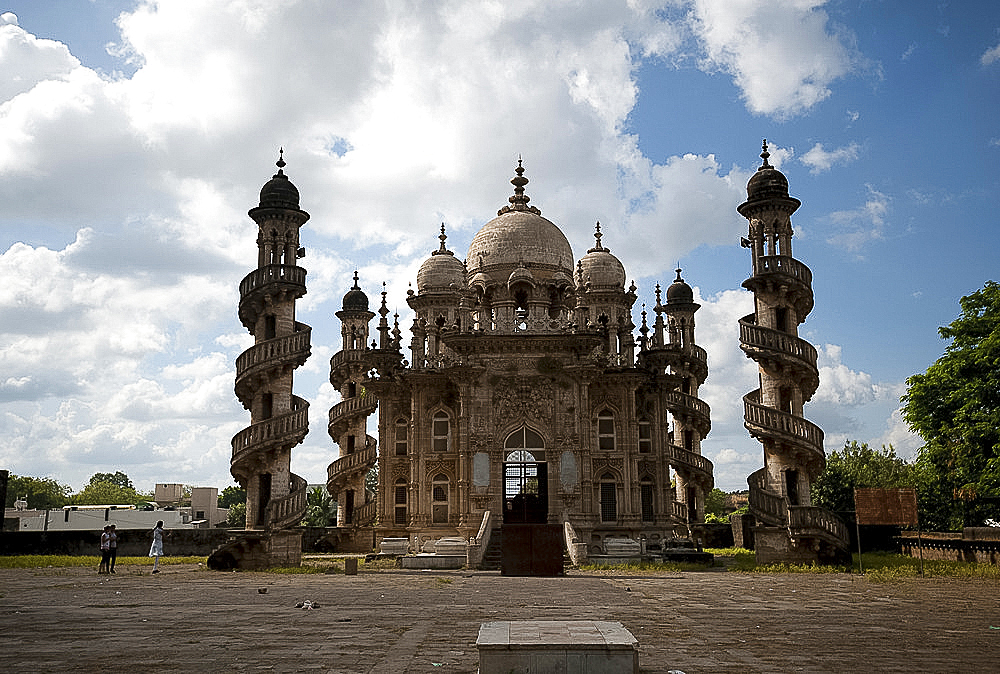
(788, 527)
(279, 420)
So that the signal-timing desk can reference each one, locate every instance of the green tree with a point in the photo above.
(42, 493)
(107, 493)
(715, 503)
(321, 509)
(859, 466)
(955, 408)
(232, 495)
(237, 515)
(117, 478)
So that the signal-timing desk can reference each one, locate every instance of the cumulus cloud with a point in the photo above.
(990, 56)
(125, 230)
(783, 55)
(855, 228)
(819, 159)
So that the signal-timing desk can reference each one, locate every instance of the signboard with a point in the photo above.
(886, 506)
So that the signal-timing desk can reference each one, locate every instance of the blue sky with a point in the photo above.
(134, 137)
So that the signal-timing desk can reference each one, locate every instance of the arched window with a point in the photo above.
(439, 499)
(609, 498)
(605, 430)
(401, 430)
(525, 478)
(441, 432)
(645, 436)
(646, 499)
(399, 499)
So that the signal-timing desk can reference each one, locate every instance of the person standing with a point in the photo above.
(112, 547)
(102, 568)
(156, 549)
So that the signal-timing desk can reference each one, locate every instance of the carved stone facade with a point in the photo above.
(524, 394)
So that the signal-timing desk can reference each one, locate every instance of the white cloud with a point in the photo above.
(125, 197)
(784, 55)
(990, 56)
(855, 228)
(818, 159)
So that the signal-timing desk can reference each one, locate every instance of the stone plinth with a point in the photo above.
(622, 547)
(394, 546)
(429, 561)
(556, 647)
(450, 546)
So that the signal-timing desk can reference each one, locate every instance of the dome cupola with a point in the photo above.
(599, 268)
(442, 270)
(355, 299)
(679, 292)
(279, 192)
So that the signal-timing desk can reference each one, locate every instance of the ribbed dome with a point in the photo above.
(679, 292)
(279, 192)
(441, 271)
(600, 268)
(519, 234)
(767, 182)
(355, 299)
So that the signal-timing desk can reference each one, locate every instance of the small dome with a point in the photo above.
(679, 292)
(279, 192)
(355, 299)
(519, 235)
(767, 182)
(441, 271)
(520, 275)
(600, 268)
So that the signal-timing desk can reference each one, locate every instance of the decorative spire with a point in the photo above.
(678, 279)
(659, 303)
(764, 155)
(355, 286)
(597, 237)
(519, 202)
(443, 250)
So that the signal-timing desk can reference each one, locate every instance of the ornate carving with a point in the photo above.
(523, 397)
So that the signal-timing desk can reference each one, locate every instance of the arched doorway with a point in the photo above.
(525, 478)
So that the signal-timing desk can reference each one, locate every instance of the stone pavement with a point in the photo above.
(191, 620)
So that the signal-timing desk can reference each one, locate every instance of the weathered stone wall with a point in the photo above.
(131, 542)
(978, 545)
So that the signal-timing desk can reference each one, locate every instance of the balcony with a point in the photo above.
(282, 430)
(696, 463)
(768, 423)
(281, 280)
(348, 467)
(346, 410)
(253, 364)
(684, 404)
(289, 510)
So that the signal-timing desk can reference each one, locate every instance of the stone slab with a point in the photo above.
(430, 561)
(556, 647)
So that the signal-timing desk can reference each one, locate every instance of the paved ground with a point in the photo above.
(190, 620)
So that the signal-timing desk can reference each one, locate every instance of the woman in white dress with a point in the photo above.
(156, 549)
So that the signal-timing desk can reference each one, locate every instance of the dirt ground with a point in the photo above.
(187, 619)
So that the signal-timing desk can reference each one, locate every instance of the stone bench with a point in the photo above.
(622, 547)
(394, 546)
(557, 647)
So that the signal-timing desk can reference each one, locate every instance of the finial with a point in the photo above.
(519, 202)
(678, 270)
(281, 159)
(658, 302)
(442, 250)
(764, 155)
(356, 286)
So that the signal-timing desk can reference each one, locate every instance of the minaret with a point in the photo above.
(691, 415)
(788, 527)
(279, 420)
(348, 418)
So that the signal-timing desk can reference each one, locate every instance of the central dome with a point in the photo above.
(519, 235)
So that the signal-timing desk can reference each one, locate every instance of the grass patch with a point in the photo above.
(646, 567)
(887, 567)
(68, 561)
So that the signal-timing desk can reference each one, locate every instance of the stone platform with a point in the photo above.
(556, 647)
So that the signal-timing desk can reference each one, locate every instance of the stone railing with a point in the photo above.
(767, 507)
(272, 273)
(783, 264)
(679, 511)
(365, 514)
(289, 510)
(753, 336)
(577, 549)
(687, 404)
(678, 456)
(346, 467)
(282, 430)
(290, 350)
(346, 409)
(766, 421)
(815, 522)
(477, 546)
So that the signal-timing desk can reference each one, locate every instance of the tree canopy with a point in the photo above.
(42, 493)
(117, 478)
(232, 495)
(107, 493)
(859, 466)
(321, 509)
(955, 408)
